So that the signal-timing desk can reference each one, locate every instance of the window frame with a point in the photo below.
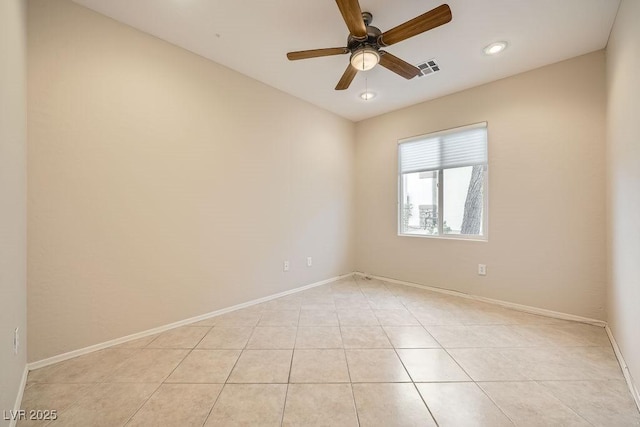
(440, 172)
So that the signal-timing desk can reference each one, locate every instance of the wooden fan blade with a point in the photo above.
(398, 66)
(347, 78)
(316, 53)
(352, 15)
(427, 21)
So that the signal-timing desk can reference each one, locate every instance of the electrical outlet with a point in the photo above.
(309, 261)
(482, 269)
(285, 266)
(16, 341)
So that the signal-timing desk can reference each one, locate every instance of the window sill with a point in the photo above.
(483, 239)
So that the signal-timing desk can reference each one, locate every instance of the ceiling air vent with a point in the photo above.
(428, 67)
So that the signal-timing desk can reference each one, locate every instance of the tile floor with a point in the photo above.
(353, 352)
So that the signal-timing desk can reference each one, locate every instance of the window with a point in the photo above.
(443, 183)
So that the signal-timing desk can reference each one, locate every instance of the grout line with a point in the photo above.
(412, 381)
(232, 368)
(165, 378)
(216, 399)
(286, 394)
(493, 400)
(553, 396)
(405, 368)
(346, 361)
(142, 404)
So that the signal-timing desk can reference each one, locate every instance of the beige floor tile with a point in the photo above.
(319, 366)
(226, 338)
(600, 362)
(249, 405)
(262, 366)
(148, 365)
(477, 313)
(318, 302)
(602, 403)
(488, 364)
(317, 292)
(358, 302)
(528, 403)
(238, 318)
(375, 366)
(410, 337)
(479, 336)
(390, 405)
(183, 337)
(565, 335)
(205, 366)
(106, 405)
(177, 405)
(311, 306)
(396, 317)
(138, 343)
(273, 337)
(364, 337)
(319, 337)
(376, 290)
(292, 302)
(385, 302)
(434, 316)
(50, 397)
(320, 405)
(431, 365)
(488, 314)
(565, 363)
(279, 318)
(318, 318)
(461, 404)
(324, 297)
(339, 289)
(90, 368)
(356, 317)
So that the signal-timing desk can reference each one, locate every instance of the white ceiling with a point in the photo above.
(252, 37)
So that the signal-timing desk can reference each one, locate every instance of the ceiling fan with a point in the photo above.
(365, 41)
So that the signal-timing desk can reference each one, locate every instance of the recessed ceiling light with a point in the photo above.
(495, 48)
(367, 95)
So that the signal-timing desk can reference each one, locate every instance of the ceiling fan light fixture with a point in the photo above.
(365, 59)
(368, 95)
(495, 48)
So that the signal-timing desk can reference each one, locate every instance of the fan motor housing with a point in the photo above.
(371, 41)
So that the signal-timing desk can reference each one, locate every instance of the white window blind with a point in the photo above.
(454, 148)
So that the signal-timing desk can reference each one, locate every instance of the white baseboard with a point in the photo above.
(75, 353)
(625, 369)
(512, 305)
(16, 406)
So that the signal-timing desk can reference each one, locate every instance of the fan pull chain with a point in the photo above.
(366, 88)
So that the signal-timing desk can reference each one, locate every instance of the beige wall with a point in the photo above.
(623, 176)
(546, 191)
(13, 197)
(163, 186)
